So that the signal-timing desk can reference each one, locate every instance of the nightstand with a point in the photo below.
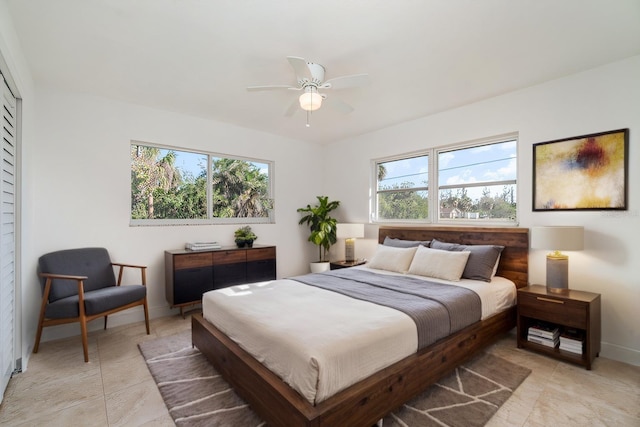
(570, 310)
(335, 265)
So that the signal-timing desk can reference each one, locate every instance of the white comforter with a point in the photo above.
(320, 342)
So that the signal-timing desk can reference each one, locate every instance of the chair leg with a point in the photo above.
(85, 341)
(105, 323)
(43, 307)
(38, 335)
(146, 315)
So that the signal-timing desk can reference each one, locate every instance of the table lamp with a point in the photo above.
(350, 232)
(557, 238)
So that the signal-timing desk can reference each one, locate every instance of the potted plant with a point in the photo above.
(323, 229)
(244, 236)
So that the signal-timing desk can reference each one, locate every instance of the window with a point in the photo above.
(403, 188)
(478, 182)
(474, 181)
(170, 186)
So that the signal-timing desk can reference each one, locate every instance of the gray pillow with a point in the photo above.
(481, 262)
(398, 243)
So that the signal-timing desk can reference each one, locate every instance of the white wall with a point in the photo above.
(81, 196)
(602, 99)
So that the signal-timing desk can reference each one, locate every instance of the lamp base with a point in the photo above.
(557, 274)
(350, 250)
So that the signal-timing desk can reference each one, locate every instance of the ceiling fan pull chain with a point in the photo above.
(308, 124)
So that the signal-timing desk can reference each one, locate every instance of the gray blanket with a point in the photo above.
(437, 309)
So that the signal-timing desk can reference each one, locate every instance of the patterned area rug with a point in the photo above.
(197, 396)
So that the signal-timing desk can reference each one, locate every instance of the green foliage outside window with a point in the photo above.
(398, 204)
(170, 184)
(403, 196)
(470, 182)
(240, 189)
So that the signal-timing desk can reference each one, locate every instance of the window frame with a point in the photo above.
(433, 188)
(210, 220)
(375, 192)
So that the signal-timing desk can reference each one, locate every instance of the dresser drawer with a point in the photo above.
(229, 257)
(554, 309)
(193, 282)
(261, 254)
(181, 262)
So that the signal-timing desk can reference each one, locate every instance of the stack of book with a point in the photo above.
(202, 246)
(545, 334)
(571, 340)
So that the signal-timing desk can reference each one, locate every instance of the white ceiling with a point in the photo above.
(423, 56)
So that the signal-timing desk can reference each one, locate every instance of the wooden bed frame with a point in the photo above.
(369, 400)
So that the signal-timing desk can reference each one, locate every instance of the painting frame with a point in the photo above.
(582, 173)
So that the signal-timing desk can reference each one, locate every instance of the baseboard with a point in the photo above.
(621, 354)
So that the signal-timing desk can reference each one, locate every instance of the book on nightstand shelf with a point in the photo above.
(571, 340)
(544, 333)
(544, 330)
(549, 342)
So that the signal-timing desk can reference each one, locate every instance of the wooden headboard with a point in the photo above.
(514, 259)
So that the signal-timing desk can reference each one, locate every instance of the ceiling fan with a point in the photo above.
(310, 80)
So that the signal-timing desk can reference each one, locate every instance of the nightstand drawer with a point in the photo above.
(554, 309)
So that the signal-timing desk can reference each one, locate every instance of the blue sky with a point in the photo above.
(195, 163)
(494, 162)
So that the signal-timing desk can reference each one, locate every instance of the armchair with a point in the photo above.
(79, 285)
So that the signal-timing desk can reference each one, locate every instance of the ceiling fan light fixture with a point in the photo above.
(310, 100)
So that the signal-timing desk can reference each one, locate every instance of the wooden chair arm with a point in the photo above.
(62, 276)
(49, 281)
(143, 272)
(118, 264)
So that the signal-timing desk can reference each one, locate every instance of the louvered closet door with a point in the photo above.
(7, 235)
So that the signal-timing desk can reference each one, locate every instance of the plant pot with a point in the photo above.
(319, 267)
(241, 243)
(249, 243)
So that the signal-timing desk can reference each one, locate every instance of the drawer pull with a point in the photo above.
(550, 300)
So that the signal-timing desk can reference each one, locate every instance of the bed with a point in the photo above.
(372, 397)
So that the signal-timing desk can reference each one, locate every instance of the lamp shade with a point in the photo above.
(350, 231)
(558, 238)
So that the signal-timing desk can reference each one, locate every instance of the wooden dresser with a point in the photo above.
(189, 274)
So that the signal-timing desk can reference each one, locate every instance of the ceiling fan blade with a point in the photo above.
(344, 82)
(269, 87)
(338, 105)
(292, 108)
(300, 67)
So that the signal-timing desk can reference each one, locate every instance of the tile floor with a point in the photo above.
(116, 389)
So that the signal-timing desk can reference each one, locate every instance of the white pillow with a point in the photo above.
(447, 265)
(495, 267)
(392, 259)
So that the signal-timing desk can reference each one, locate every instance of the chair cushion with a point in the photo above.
(96, 302)
(91, 262)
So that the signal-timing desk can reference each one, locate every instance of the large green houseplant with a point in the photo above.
(321, 225)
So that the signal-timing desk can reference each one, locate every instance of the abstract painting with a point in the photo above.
(586, 172)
